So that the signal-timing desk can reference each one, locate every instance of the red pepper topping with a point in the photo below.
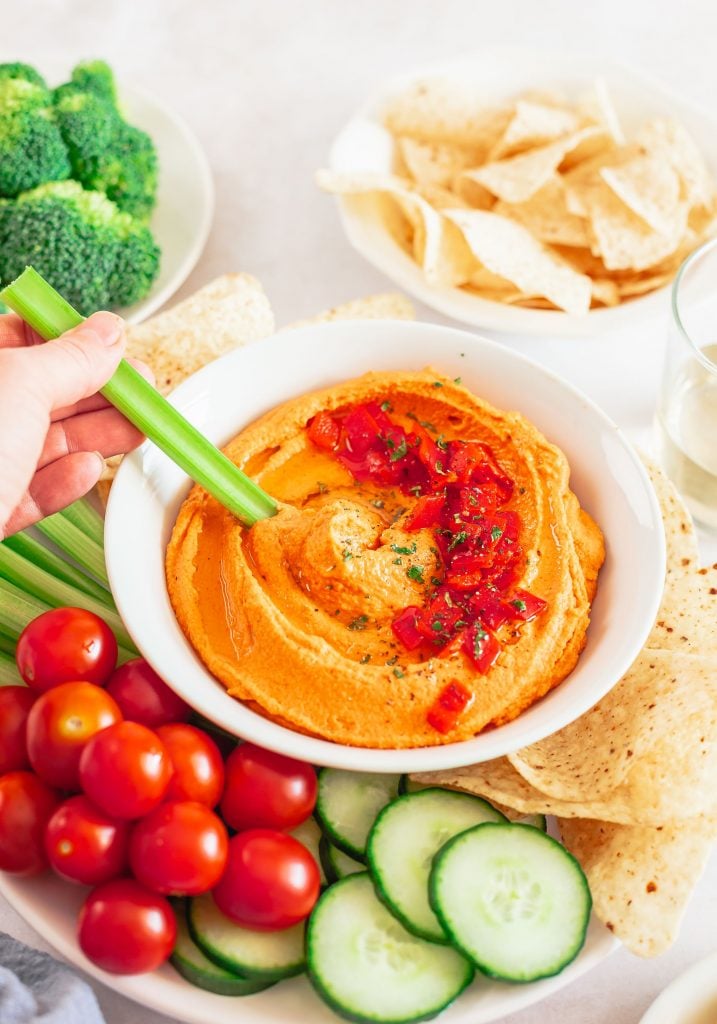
(462, 493)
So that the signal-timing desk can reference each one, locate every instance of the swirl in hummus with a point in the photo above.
(300, 616)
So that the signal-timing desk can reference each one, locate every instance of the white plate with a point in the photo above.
(50, 906)
(365, 145)
(690, 999)
(185, 200)
(221, 398)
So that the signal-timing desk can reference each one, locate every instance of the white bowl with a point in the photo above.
(220, 399)
(365, 145)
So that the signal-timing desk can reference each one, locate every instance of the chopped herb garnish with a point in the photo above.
(416, 489)
(457, 380)
(389, 443)
(400, 451)
(440, 442)
(496, 533)
(436, 581)
(439, 467)
(377, 503)
(386, 406)
(460, 623)
(346, 554)
(359, 622)
(398, 513)
(481, 635)
(415, 573)
(398, 673)
(427, 425)
(365, 660)
(458, 538)
(519, 606)
(437, 625)
(393, 660)
(398, 561)
(403, 550)
(437, 384)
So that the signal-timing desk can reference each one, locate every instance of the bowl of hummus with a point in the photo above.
(467, 554)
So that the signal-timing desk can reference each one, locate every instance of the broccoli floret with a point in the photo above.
(32, 151)
(94, 254)
(106, 153)
(24, 72)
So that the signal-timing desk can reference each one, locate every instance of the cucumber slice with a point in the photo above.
(367, 967)
(512, 899)
(403, 842)
(336, 863)
(347, 804)
(309, 835)
(189, 961)
(267, 956)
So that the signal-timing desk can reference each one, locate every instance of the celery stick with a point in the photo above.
(9, 675)
(7, 645)
(17, 608)
(40, 584)
(82, 515)
(75, 544)
(31, 549)
(50, 315)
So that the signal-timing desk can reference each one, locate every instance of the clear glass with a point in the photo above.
(687, 405)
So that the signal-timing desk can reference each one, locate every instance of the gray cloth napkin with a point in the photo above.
(35, 989)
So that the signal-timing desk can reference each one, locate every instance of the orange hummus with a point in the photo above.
(294, 616)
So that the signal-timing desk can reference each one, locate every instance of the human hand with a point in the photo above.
(55, 429)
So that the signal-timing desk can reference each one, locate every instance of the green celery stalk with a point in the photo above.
(7, 645)
(9, 675)
(75, 544)
(17, 608)
(82, 515)
(37, 553)
(26, 576)
(47, 313)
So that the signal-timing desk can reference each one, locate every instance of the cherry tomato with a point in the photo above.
(59, 725)
(84, 845)
(143, 697)
(125, 929)
(179, 849)
(15, 704)
(125, 770)
(26, 805)
(198, 766)
(271, 881)
(266, 790)
(66, 645)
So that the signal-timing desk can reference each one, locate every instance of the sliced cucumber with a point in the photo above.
(267, 956)
(347, 805)
(367, 967)
(405, 838)
(512, 899)
(336, 863)
(188, 959)
(309, 835)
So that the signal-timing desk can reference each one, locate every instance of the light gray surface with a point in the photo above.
(266, 84)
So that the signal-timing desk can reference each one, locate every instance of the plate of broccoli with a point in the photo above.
(104, 191)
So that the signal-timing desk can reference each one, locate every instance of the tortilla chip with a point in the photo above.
(687, 618)
(605, 292)
(640, 879)
(670, 142)
(680, 535)
(547, 217)
(650, 188)
(435, 163)
(445, 111)
(510, 251)
(517, 178)
(597, 106)
(390, 306)
(534, 124)
(229, 312)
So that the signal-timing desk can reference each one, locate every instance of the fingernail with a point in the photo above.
(107, 327)
(101, 457)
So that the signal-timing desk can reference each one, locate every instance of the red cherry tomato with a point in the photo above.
(198, 766)
(143, 697)
(180, 849)
(84, 845)
(26, 805)
(125, 929)
(125, 770)
(266, 790)
(271, 881)
(59, 725)
(15, 704)
(66, 645)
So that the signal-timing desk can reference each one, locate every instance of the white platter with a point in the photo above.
(365, 145)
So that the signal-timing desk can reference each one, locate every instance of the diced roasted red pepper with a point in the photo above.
(481, 646)
(490, 608)
(324, 431)
(426, 512)
(526, 606)
(404, 628)
(450, 704)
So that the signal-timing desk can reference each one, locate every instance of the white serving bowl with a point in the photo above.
(364, 145)
(220, 399)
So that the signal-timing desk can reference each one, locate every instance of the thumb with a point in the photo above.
(80, 362)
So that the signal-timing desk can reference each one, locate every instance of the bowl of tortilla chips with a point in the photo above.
(536, 193)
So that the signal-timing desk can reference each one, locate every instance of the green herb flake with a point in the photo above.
(437, 384)
(437, 625)
(481, 635)
(459, 538)
(346, 554)
(496, 533)
(457, 380)
(400, 451)
(399, 674)
(393, 660)
(365, 660)
(439, 467)
(398, 561)
(441, 443)
(403, 550)
(386, 406)
(519, 606)
(427, 425)
(416, 573)
(436, 581)
(359, 622)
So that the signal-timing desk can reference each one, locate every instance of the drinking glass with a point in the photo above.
(687, 405)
